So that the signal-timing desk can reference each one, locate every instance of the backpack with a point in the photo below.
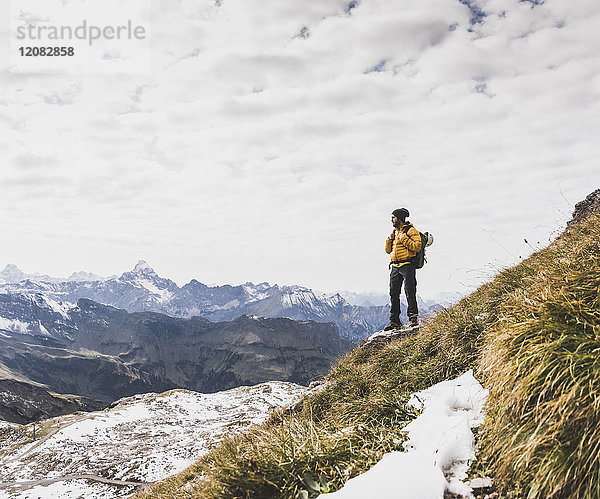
(419, 259)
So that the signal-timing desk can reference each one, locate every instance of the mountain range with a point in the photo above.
(102, 353)
(142, 289)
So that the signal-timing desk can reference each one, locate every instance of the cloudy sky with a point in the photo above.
(269, 140)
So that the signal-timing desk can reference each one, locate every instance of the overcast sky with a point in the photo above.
(269, 140)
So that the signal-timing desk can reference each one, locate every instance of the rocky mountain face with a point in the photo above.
(142, 289)
(105, 353)
(23, 402)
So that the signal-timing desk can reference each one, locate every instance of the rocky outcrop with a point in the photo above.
(23, 403)
(585, 208)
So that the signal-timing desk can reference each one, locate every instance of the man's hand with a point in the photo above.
(393, 235)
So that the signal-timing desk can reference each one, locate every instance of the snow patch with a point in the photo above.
(230, 304)
(255, 293)
(14, 326)
(43, 330)
(60, 308)
(164, 295)
(439, 448)
(297, 296)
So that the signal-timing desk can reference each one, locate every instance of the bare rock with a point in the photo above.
(585, 208)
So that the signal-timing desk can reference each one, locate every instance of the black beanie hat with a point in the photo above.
(401, 213)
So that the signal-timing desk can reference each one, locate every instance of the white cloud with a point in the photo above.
(252, 153)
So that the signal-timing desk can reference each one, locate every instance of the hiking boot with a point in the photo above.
(413, 322)
(392, 325)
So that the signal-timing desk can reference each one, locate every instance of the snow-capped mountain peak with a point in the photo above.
(12, 273)
(142, 267)
(151, 289)
(141, 271)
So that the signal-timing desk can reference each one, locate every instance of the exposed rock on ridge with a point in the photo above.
(585, 208)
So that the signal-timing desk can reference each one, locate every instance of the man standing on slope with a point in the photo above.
(402, 245)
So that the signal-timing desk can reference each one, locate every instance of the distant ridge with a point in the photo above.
(142, 289)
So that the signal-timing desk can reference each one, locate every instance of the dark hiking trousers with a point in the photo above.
(405, 274)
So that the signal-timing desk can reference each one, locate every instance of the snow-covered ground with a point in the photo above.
(144, 438)
(439, 448)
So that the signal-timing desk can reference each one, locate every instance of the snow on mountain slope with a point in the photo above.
(14, 325)
(256, 292)
(298, 296)
(59, 307)
(163, 294)
(140, 439)
(35, 314)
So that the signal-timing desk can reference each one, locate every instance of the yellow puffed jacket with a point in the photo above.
(405, 245)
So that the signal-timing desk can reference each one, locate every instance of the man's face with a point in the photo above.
(394, 220)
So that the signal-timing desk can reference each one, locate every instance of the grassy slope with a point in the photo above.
(532, 334)
(542, 365)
